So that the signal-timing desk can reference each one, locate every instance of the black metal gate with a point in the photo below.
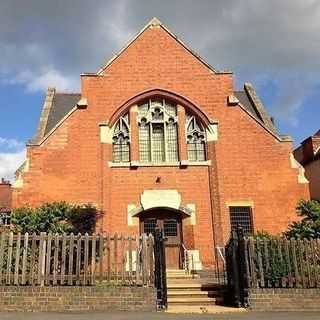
(236, 269)
(160, 277)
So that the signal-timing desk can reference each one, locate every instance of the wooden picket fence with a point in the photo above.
(282, 263)
(60, 259)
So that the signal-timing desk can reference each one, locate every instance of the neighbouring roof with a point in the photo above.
(309, 149)
(61, 105)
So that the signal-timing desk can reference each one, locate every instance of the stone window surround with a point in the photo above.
(211, 135)
(134, 164)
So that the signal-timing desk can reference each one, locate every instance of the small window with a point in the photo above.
(120, 140)
(196, 139)
(170, 227)
(149, 226)
(241, 217)
(5, 219)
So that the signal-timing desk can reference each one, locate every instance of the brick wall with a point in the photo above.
(285, 299)
(313, 175)
(5, 194)
(62, 299)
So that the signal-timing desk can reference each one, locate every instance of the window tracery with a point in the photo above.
(196, 139)
(158, 137)
(121, 140)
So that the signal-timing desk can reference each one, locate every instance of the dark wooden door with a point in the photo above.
(170, 223)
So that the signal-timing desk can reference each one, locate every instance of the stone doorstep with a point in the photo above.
(204, 309)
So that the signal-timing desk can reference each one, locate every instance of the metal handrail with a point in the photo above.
(186, 265)
(221, 252)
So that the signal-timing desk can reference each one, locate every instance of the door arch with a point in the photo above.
(170, 221)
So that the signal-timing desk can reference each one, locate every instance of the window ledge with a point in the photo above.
(155, 164)
(195, 163)
(119, 164)
(183, 163)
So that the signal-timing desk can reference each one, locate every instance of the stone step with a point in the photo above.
(193, 292)
(194, 283)
(201, 301)
(187, 293)
(182, 276)
(214, 309)
(184, 286)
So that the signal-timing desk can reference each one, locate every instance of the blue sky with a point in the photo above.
(275, 45)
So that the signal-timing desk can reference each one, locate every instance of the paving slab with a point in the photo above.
(161, 316)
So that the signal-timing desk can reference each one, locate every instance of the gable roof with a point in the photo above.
(246, 103)
(56, 106)
(250, 101)
(61, 105)
(156, 23)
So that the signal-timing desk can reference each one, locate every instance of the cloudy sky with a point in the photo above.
(273, 44)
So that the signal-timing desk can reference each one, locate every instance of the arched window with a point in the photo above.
(121, 140)
(158, 138)
(196, 139)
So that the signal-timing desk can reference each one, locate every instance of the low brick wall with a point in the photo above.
(286, 299)
(15, 298)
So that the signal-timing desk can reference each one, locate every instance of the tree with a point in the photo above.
(55, 217)
(309, 226)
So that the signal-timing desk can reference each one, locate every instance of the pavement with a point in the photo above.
(248, 315)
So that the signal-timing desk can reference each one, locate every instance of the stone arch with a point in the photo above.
(144, 95)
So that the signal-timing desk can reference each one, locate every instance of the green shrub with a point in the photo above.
(55, 217)
(309, 226)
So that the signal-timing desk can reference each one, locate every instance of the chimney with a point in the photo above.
(5, 194)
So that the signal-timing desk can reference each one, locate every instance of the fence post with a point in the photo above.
(237, 264)
(244, 274)
(235, 268)
(160, 269)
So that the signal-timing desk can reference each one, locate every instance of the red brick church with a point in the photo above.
(158, 137)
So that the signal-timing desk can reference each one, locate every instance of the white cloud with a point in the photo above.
(8, 143)
(42, 80)
(56, 40)
(10, 162)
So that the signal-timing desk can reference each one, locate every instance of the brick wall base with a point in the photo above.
(286, 299)
(41, 299)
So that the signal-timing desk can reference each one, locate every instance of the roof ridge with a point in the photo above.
(252, 95)
(317, 133)
(68, 93)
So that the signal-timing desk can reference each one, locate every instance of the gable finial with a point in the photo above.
(155, 22)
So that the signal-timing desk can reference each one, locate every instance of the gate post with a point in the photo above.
(160, 276)
(243, 268)
(237, 268)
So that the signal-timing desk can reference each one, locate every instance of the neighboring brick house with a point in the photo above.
(5, 201)
(159, 137)
(308, 154)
